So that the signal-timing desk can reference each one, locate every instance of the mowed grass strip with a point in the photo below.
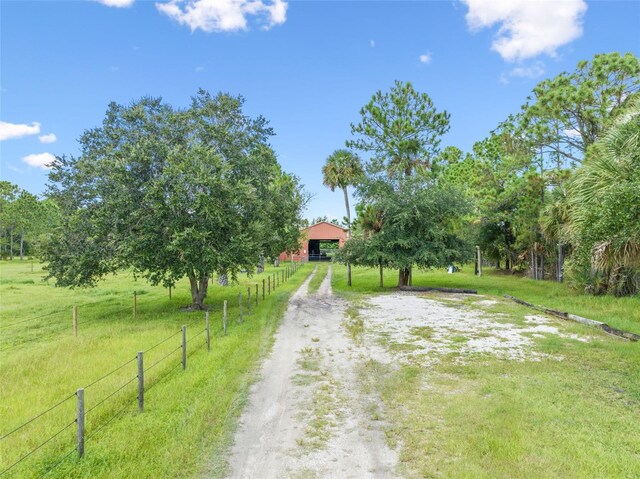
(321, 272)
(189, 415)
(571, 414)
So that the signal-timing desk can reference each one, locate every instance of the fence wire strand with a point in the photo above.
(58, 463)
(38, 416)
(164, 376)
(111, 395)
(38, 447)
(163, 358)
(196, 335)
(110, 373)
(109, 421)
(163, 341)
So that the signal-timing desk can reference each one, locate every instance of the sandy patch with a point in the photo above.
(415, 328)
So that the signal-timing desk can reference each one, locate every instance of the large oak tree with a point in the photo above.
(171, 193)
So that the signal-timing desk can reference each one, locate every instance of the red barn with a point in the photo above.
(317, 242)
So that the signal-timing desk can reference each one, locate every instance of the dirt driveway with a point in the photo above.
(306, 416)
(315, 414)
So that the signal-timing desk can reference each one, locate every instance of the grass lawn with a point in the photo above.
(189, 415)
(573, 413)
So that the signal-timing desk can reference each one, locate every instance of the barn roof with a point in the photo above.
(326, 222)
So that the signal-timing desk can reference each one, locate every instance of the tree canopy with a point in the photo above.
(172, 193)
(409, 218)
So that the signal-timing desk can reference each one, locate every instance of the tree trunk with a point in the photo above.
(346, 204)
(498, 263)
(261, 265)
(11, 246)
(560, 261)
(381, 274)
(21, 246)
(199, 286)
(533, 264)
(276, 262)
(403, 277)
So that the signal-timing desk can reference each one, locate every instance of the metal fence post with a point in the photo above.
(224, 317)
(206, 326)
(140, 382)
(80, 421)
(256, 294)
(184, 347)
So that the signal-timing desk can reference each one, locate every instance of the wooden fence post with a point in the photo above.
(75, 321)
(184, 347)
(208, 332)
(140, 382)
(277, 279)
(249, 299)
(269, 284)
(240, 307)
(256, 294)
(135, 304)
(80, 421)
(224, 317)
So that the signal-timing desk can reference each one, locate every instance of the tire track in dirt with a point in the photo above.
(307, 417)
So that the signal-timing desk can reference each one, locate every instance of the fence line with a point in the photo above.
(109, 373)
(81, 412)
(111, 394)
(37, 416)
(38, 447)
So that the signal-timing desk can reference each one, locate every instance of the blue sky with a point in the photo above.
(307, 66)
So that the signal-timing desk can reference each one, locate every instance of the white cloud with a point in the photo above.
(13, 168)
(10, 131)
(116, 3)
(531, 71)
(199, 69)
(528, 28)
(50, 138)
(224, 15)
(372, 43)
(425, 58)
(39, 160)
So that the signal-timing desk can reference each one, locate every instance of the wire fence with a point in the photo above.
(144, 385)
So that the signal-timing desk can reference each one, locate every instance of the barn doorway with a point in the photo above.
(322, 250)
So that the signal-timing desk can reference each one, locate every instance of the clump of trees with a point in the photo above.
(408, 214)
(553, 189)
(540, 180)
(172, 193)
(25, 221)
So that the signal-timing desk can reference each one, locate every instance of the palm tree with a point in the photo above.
(605, 202)
(341, 170)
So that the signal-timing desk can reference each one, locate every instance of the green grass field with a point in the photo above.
(189, 415)
(572, 414)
